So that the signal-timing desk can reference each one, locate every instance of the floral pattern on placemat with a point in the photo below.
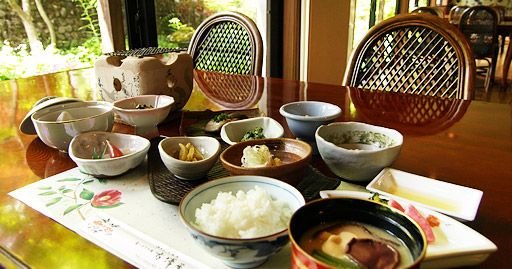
(113, 213)
(74, 192)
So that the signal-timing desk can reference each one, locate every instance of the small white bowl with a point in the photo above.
(357, 151)
(81, 148)
(304, 117)
(232, 132)
(236, 252)
(169, 150)
(145, 120)
(57, 125)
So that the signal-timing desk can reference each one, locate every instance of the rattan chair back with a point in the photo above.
(227, 42)
(413, 53)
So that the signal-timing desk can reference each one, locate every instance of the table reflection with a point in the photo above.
(408, 113)
(230, 91)
(46, 162)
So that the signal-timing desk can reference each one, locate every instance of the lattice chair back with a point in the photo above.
(413, 53)
(479, 24)
(227, 42)
(429, 10)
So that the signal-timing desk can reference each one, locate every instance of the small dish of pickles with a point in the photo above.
(189, 158)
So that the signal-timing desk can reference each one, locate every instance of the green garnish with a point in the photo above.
(96, 156)
(220, 117)
(256, 133)
(344, 262)
(375, 197)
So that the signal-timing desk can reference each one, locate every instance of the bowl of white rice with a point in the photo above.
(241, 220)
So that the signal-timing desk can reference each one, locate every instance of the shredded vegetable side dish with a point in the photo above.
(258, 156)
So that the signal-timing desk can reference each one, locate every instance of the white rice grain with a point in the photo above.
(244, 215)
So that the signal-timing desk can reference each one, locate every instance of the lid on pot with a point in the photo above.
(27, 126)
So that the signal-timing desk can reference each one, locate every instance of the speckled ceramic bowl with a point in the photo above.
(169, 150)
(84, 146)
(144, 112)
(357, 151)
(239, 253)
(57, 125)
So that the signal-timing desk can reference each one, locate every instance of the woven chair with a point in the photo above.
(479, 25)
(227, 42)
(416, 54)
(456, 13)
(430, 10)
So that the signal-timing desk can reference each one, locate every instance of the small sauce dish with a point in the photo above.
(451, 199)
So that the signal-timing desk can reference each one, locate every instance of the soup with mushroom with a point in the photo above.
(355, 245)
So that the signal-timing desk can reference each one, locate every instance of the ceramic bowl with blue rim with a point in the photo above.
(238, 252)
(357, 151)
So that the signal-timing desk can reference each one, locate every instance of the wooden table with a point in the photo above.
(463, 142)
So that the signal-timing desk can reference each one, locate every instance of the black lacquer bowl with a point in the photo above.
(354, 210)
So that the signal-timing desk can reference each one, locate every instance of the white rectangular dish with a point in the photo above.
(451, 199)
(456, 244)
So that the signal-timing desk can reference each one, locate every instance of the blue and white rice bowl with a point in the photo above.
(238, 252)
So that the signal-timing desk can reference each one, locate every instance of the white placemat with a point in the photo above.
(122, 216)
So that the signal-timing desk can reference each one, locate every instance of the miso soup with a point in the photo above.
(355, 245)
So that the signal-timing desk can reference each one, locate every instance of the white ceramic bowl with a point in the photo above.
(58, 124)
(26, 126)
(158, 109)
(232, 132)
(357, 151)
(81, 148)
(239, 253)
(169, 150)
(304, 117)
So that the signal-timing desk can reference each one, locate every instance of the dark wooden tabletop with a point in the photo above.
(462, 142)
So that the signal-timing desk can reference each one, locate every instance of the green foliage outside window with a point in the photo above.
(176, 23)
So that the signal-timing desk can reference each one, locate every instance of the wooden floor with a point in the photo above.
(496, 94)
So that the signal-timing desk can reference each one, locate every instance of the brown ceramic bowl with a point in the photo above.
(294, 154)
(339, 210)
